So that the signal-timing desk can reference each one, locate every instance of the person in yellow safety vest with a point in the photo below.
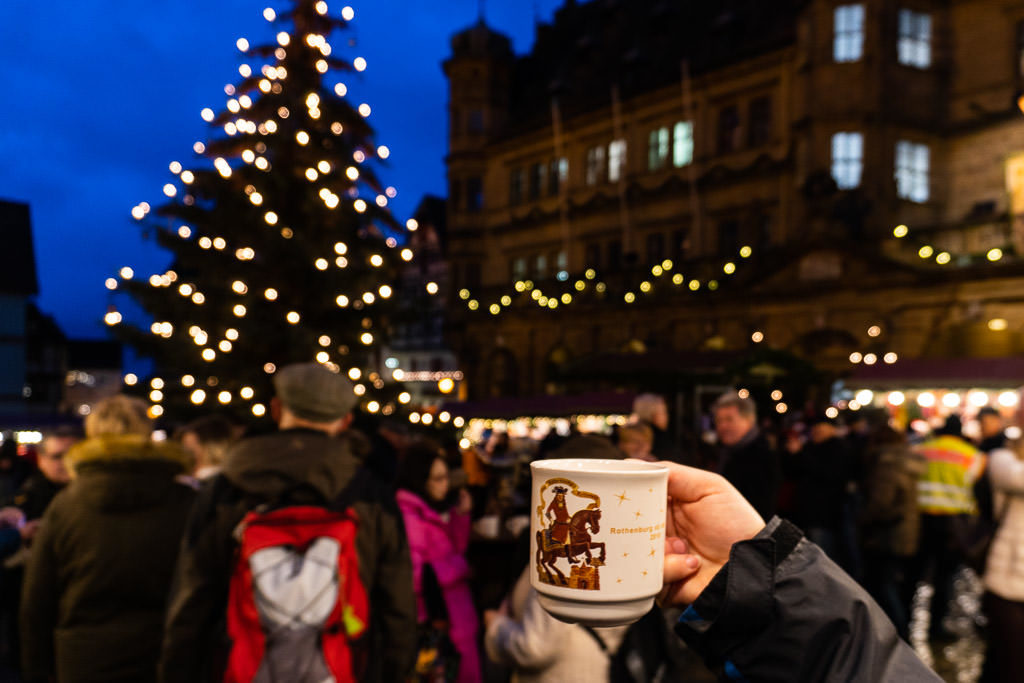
(944, 494)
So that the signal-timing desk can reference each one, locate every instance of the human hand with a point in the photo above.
(465, 504)
(28, 531)
(11, 517)
(705, 516)
(492, 615)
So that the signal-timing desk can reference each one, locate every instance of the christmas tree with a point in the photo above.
(284, 247)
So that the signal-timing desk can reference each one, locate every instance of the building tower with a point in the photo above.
(479, 73)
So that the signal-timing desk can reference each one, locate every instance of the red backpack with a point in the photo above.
(295, 600)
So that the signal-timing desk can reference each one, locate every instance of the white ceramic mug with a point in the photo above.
(597, 538)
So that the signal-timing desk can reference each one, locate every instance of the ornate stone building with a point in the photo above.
(695, 183)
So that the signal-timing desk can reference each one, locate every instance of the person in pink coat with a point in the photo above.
(438, 534)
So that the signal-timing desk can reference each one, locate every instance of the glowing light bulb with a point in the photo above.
(293, 317)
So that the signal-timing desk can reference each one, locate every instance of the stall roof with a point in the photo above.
(942, 372)
(595, 403)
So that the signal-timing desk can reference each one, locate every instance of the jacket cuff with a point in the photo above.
(739, 600)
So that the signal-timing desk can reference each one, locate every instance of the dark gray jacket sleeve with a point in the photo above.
(780, 610)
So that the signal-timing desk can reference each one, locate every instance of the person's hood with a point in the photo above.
(120, 447)
(124, 472)
(267, 465)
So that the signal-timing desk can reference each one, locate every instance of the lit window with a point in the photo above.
(616, 160)
(847, 159)
(912, 164)
(557, 175)
(519, 269)
(848, 43)
(536, 180)
(657, 149)
(915, 42)
(540, 270)
(595, 165)
(682, 144)
(561, 261)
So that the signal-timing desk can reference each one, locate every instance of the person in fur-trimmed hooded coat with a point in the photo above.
(96, 586)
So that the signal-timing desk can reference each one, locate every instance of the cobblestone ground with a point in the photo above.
(959, 660)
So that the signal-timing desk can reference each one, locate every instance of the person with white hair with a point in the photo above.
(652, 411)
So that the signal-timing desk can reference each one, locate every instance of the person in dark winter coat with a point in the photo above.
(763, 603)
(32, 498)
(746, 460)
(312, 408)
(97, 581)
(825, 471)
(51, 474)
(890, 520)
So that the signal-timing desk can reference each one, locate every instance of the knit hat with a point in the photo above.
(313, 392)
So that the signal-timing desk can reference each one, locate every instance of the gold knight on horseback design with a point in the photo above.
(568, 535)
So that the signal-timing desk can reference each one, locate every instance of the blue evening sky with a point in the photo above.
(100, 96)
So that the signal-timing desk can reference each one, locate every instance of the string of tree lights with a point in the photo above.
(565, 289)
(284, 247)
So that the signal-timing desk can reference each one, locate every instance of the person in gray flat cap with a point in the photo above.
(312, 407)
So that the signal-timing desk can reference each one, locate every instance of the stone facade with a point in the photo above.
(731, 136)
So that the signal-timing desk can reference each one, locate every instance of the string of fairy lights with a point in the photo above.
(942, 257)
(323, 172)
(589, 280)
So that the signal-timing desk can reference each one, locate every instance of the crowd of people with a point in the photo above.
(123, 556)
